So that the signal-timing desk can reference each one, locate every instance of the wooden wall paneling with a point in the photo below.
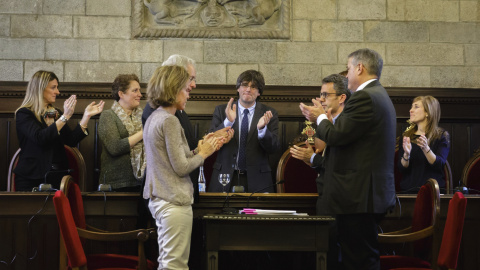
(474, 135)
(34, 245)
(460, 116)
(4, 148)
(458, 149)
(87, 148)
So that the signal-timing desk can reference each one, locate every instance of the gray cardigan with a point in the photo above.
(169, 160)
(116, 167)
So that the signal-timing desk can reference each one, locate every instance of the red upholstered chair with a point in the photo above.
(298, 176)
(425, 216)
(471, 173)
(77, 163)
(73, 245)
(452, 236)
(11, 175)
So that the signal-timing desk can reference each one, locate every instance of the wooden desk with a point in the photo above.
(119, 213)
(262, 232)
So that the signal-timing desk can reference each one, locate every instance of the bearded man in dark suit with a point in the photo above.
(359, 183)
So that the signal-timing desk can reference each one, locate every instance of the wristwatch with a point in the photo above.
(63, 118)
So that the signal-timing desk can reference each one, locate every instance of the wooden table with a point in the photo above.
(266, 232)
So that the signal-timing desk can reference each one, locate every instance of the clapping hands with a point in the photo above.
(94, 109)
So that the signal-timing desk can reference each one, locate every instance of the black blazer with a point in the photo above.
(359, 168)
(259, 173)
(40, 142)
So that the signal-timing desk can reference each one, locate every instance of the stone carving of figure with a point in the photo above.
(214, 15)
(251, 12)
(169, 11)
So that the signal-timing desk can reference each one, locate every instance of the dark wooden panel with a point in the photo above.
(119, 213)
(460, 117)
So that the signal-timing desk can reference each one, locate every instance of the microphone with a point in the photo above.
(48, 187)
(463, 189)
(237, 188)
(269, 186)
(104, 187)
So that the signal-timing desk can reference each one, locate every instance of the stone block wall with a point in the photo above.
(424, 43)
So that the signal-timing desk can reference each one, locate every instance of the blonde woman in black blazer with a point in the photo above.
(42, 131)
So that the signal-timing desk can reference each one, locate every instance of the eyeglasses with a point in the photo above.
(192, 79)
(252, 87)
(325, 94)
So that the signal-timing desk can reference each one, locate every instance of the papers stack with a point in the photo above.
(251, 211)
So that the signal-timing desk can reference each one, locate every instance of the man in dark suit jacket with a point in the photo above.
(334, 94)
(262, 137)
(359, 183)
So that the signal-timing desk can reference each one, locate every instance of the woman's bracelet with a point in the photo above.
(429, 149)
(63, 118)
(82, 126)
(406, 159)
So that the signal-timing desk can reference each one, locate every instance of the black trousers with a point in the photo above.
(358, 240)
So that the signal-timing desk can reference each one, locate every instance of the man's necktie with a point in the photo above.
(242, 153)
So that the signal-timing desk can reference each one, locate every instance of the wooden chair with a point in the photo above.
(11, 174)
(73, 245)
(452, 236)
(75, 160)
(298, 176)
(471, 173)
(425, 217)
(77, 163)
(447, 171)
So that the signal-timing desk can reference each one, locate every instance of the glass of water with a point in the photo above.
(224, 179)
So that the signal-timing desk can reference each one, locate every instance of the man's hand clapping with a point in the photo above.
(312, 112)
(231, 111)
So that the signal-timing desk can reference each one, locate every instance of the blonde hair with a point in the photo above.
(164, 85)
(432, 110)
(34, 96)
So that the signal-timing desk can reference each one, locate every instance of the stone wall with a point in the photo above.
(425, 43)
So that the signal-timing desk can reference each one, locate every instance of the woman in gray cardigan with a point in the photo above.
(169, 162)
(120, 131)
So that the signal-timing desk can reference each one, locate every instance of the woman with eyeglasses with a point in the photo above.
(424, 148)
(42, 131)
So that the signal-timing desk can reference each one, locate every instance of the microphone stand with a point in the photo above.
(48, 187)
(237, 188)
(228, 210)
(104, 187)
(277, 183)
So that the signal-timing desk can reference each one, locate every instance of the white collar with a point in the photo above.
(364, 84)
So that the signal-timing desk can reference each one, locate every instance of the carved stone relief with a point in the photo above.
(212, 18)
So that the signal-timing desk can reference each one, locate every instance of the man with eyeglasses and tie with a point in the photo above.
(245, 157)
(334, 94)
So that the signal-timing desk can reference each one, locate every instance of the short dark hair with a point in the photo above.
(340, 84)
(256, 77)
(121, 83)
(370, 59)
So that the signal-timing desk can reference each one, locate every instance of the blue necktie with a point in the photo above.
(242, 153)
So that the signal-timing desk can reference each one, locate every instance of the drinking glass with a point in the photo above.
(224, 179)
